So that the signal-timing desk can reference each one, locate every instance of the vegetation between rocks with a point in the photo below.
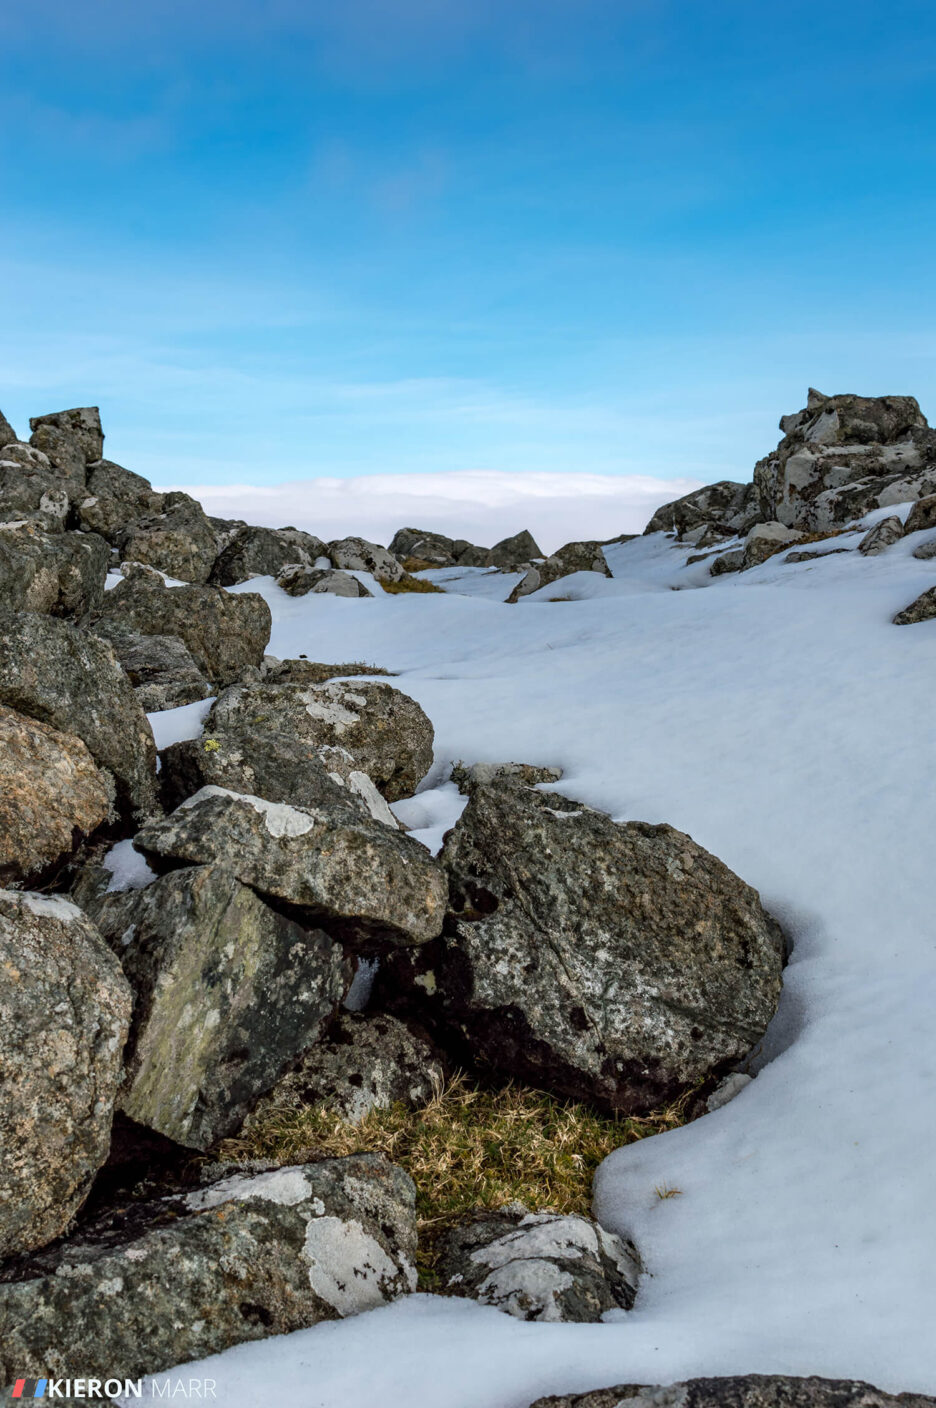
(410, 584)
(467, 1149)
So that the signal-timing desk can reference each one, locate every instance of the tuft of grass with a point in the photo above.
(418, 564)
(409, 584)
(467, 1149)
(808, 538)
(663, 1190)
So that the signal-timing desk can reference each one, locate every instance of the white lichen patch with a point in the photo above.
(330, 709)
(540, 1236)
(527, 1289)
(287, 1186)
(50, 906)
(348, 1268)
(279, 818)
(378, 807)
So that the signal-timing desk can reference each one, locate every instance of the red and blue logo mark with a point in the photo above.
(30, 1388)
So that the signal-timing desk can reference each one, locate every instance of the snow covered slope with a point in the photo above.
(782, 720)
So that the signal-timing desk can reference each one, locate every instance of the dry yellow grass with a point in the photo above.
(467, 1149)
(409, 584)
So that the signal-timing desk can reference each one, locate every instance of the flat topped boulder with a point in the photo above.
(348, 872)
(253, 1254)
(384, 730)
(64, 1013)
(613, 962)
(178, 540)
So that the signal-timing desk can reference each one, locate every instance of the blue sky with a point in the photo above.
(293, 239)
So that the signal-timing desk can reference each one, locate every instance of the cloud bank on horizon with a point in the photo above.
(481, 505)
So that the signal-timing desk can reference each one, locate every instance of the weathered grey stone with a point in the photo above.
(278, 767)
(59, 573)
(114, 498)
(179, 540)
(539, 1266)
(514, 551)
(160, 668)
(253, 1255)
(368, 1062)
(386, 732)
(32, 492)
(51, 795)
(922, 515)
(765, 539)
(574, 557)
(726, 505)
(811, 555)
(71, 439)
(617, 963)
(263, 552)
(469, 775)
(7, 433)
(227, 993)
(29, 457)
(926, 551)
(922, 609)
(60, 675)
(358, 878)
(64, 1010)
(745, 1391)
(298, 580)
(358, 555)
(728, 562)
(225, 632)
(313, 671)
(882, 536)
(411, 545)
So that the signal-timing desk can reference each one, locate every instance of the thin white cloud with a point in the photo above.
(481, 505)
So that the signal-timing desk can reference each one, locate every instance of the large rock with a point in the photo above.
(882, 536)
(64, 1010)
(745, 1391)
(839, 458)
(58, 573)
(386, 732)
(263, 552)
(160, 668)
(766, 539)
(179, 540)
(32, 491)
(71, 439)
(922, 515)
(51, 795)
(417, 545)
(224, 632)
(573, 557)
(726, 507)
(354, 875)
(114, 498)
(369, 1062)
(923, 609)
(278, 767)
(60, 675)
(358, 555)
(7, 433)
(539, 1266)
(227, 994)
(514, 551)
(616, 963)
(254, 1255)
(298, 580)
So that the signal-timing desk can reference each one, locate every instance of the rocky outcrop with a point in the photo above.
(922, 515)
(71, 439)
(469, 775)
(358, 555)
(514, 551)
(617, 963)
(298, 580)
(745, 1391)
(178, 540)
(263, 552)
(7, 433)
(725, 507)
(227, 993)
(54, 572)
(368, 1062)
(160, 668)
(539, 1266)
(252, 1255)
(413, 546)
(32, 490)
(64, 1010)
(62, 676)
(844, 455)
(115, 497)
(51, 796)
(922, 609)
(225, 633)
(386, 733)
(355, 876)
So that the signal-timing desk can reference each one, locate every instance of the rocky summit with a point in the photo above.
(329, 862)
